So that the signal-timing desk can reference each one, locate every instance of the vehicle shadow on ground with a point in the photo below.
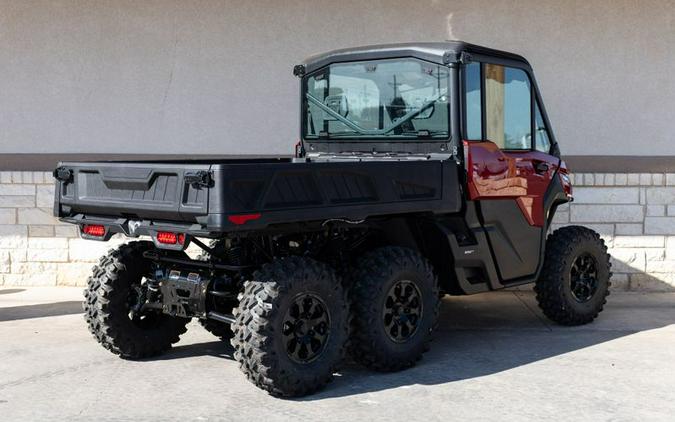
(482, 335)
(14, 313)
(216, 348)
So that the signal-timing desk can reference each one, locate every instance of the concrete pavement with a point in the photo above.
(495, 358)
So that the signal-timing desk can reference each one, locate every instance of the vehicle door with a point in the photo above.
(508, 169)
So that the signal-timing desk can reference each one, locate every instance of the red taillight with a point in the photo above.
(95, 230)
(243, 218)
(168, 238)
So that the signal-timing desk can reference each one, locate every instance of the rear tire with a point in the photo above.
(394, 308)
(575, 280)
(110, 290)
(291, 326)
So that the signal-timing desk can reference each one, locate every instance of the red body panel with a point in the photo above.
(520, 175)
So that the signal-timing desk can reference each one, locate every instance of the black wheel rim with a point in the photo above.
(402, 311)
(306, 328)
(584, 278)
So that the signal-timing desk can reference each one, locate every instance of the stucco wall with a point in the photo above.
(215, 76)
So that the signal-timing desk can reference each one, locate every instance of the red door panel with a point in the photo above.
(520, 175)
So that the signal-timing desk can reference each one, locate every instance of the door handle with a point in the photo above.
(541, 167)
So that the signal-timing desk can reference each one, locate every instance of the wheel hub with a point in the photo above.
(306, 327)
(584, 278)
(402, 311)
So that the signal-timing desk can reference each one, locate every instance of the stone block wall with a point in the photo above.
(635, 214)
(35, 249)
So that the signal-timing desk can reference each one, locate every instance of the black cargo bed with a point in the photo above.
(248, 194)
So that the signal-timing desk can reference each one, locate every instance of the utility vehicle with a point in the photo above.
(422, 170)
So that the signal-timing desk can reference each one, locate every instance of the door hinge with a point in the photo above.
(199, 179)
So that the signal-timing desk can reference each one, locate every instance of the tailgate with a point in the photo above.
(133, 190)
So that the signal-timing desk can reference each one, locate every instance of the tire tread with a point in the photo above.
(106, 325)
(549, 286)
(367, 276)
(254, 334)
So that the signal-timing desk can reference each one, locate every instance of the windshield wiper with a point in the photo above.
(422, 133)
(406, 117)
(425, 133)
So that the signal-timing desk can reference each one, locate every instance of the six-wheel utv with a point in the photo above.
(423, 170)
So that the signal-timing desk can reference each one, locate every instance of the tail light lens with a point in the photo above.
(95, 230)
(169, 238)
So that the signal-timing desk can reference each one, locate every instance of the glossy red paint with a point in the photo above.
(521, 175)
(243, 218)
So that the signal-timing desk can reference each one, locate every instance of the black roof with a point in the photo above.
(438, 52)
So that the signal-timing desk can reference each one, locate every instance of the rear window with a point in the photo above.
(398, 98)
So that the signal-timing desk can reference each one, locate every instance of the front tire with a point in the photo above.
(291, 326)
(394, 308)
(112, 290)
(574, 283)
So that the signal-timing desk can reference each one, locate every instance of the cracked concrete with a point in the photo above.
(495, 357)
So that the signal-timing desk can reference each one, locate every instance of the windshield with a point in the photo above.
(397, 98)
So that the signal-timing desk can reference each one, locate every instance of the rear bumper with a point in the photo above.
(135, 228)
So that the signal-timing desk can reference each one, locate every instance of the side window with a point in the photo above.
(508, 107)
(541, 141)
(472, 99)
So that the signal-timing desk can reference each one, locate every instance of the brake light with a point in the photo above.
(95, 230)
(169, 238)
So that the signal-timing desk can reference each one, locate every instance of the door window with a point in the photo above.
(508, 109)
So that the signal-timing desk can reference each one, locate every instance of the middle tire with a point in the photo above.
(291, 326)
(394, 308)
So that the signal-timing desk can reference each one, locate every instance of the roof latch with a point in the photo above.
(63, 174)
(299, 70)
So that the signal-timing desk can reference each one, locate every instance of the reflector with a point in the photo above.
(243, 218)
